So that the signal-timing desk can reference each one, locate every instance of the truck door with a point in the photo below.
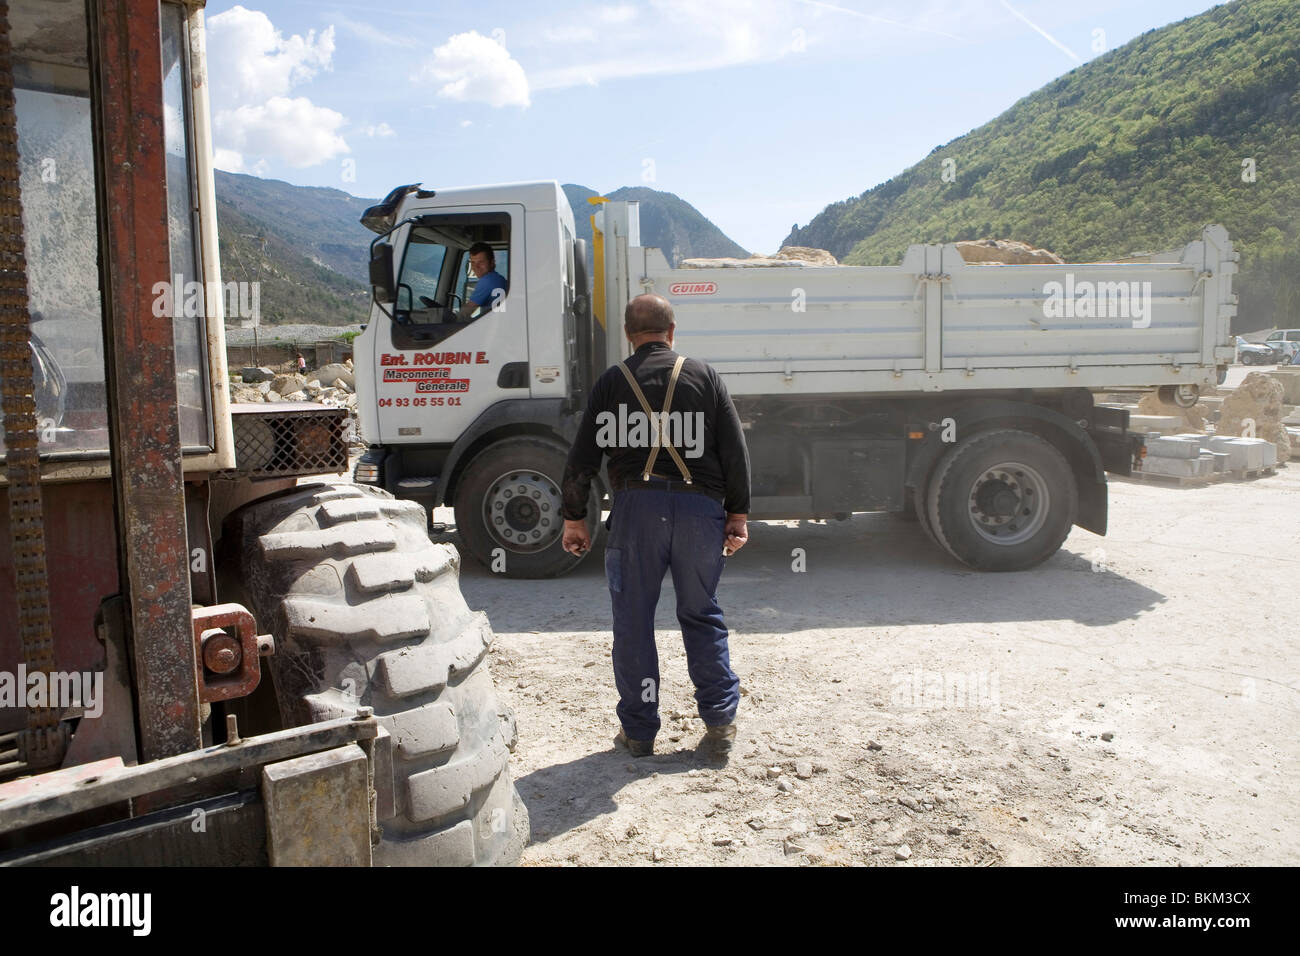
(441, 360)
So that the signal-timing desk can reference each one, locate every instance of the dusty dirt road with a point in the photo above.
(1132, 701)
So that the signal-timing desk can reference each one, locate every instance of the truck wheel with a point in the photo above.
(922, 515)
(1184, 396)
(508, 509)
(367, 611)
(1002, 500)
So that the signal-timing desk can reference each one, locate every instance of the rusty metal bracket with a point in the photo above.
(228, 665)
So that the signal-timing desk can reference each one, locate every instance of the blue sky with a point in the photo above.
(757, 113)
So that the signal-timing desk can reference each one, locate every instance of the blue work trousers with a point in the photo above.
(653, 531)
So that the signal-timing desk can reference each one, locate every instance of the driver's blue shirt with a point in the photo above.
(484, 294)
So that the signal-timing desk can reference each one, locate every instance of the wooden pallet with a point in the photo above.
(1182, 481)
(1250, 474)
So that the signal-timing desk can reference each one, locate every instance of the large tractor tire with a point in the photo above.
(1002, 500)
(508, 508)
(367, 611)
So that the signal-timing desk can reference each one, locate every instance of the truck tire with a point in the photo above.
(922, 515)
(1002, 500)
(367, 611)
(508, 509)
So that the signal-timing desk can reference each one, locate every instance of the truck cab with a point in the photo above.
(445, 386)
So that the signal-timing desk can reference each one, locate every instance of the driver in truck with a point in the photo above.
(492, 287)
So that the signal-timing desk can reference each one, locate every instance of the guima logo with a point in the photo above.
(693, 288)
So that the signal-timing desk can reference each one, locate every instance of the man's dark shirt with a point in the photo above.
(722, 471)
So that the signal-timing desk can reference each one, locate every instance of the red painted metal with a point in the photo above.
(82, 556)
(227, 668)
(127, 96)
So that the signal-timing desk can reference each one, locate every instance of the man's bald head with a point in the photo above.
(648, 315)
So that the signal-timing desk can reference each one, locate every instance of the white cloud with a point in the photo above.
(721, 34)
(253, 60)
(465, 124)
(671, 37)
(255, 67)
(232, 161)
(617, 14)
(473, 68)
(382, 130)
(293, 130)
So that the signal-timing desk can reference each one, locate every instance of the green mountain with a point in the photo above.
(308, 249)
(1134, 151)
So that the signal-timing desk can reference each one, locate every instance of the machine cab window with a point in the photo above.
(455, 271)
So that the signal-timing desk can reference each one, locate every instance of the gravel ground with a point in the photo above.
(1132, 701)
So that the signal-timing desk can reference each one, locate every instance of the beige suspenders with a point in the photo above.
(658, 420)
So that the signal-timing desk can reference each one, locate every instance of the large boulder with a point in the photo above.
(1258, 398)
(245, 395)
(815, 257)
(798, 256)
(289, 383)
(330, 374)
(1289, 379)
(254, 374)
(1194, 418)
(1008, 251)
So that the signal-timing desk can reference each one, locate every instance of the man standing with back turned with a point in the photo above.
(679, 471)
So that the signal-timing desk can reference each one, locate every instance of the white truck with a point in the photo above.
(959, 393)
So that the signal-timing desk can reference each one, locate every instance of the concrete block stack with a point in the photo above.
(1192, 456)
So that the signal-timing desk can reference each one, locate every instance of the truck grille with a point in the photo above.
(283, 440)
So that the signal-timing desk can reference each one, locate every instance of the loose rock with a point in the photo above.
(904, 852)
(803, 768)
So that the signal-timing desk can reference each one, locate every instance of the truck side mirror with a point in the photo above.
(382, 286)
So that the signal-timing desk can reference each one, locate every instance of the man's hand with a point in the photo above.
(577, 539)
(736, 532)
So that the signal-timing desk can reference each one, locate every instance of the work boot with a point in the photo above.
(637, 748)
(720, 739)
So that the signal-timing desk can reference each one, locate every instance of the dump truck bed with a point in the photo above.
(936, 323)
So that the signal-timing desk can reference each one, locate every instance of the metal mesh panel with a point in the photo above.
(282, 443)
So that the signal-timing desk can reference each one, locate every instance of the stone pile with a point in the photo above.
(332, 385)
